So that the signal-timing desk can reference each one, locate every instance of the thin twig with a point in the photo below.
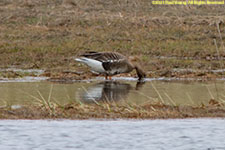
(174, 104)
(221, 64)
(158, 93)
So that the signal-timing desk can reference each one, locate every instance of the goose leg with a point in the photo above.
(106, 77)
(110, 77)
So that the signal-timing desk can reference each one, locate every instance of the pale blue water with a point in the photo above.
(187, 134)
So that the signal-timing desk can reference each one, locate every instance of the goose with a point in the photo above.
(111, 63)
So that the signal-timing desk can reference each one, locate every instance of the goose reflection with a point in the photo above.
(108, 91)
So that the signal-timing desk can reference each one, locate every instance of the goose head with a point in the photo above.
(135, 62)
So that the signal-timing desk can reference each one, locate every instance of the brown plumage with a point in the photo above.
(111, 63)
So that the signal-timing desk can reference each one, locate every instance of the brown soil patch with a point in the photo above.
(113, 111)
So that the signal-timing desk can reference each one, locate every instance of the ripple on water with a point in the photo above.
(24, 79)
(196, 134)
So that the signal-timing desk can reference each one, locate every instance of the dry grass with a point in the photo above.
(112, 111)
(42, 34)
(46, 34)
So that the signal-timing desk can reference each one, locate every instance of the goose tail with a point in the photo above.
(81, 59)
(95, 65)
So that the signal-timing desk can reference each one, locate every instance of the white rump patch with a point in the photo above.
(93, 64)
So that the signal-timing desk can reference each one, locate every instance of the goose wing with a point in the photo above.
(116, 67)
(112, 62)
(104, 56)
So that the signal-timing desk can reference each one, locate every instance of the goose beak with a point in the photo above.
(141, 74)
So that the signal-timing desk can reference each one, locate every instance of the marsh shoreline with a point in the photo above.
(172, 42)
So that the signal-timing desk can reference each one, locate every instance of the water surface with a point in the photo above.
(168, 92)
(186, 134)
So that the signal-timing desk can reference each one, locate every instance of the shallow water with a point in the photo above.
(34, 71)
(187, 134)
(168, 92)
(23, 79)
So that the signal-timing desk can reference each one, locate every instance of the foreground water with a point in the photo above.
(168, 92)
(194, 134)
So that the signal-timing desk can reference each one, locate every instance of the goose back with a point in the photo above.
(112, 62)
(104, 57)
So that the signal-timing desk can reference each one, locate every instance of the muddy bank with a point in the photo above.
(112, 111)
(178, 73)
(205, 75)
(64, 76)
